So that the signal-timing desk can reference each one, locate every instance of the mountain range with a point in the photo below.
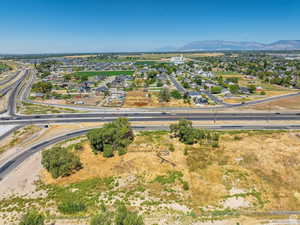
(219, 45)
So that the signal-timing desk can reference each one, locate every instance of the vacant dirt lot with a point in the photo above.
(150, 99)
(290, 103)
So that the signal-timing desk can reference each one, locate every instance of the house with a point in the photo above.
(194, 94)
(259, 89)
(244, 90)
(79, 103)
(37, 95)
(100, 90)
(200, 101)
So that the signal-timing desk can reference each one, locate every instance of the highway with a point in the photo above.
(147, 116)
(15, 92)
(2, 82)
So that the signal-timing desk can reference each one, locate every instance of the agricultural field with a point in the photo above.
(3, 67)
(161, 177)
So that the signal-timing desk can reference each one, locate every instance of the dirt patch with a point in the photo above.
(150, 99)
(292, 103)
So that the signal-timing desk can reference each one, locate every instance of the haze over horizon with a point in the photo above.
(37, 26)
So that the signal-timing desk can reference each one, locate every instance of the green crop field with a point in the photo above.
(104, 73)
(3, 66)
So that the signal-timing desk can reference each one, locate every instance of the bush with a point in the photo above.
(60, 162)
(185, 186)
(112, 136)
(78, 147)
(125, 217)
(32, 218)
(262, 93)
(102, 219)
(171, 148)
(71, 207)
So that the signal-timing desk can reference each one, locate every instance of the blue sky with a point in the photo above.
(52, 26)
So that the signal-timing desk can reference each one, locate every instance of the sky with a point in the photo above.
(60, 26)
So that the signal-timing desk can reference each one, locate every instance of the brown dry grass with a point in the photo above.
(263, 161)
(140, 159)
(290, 103)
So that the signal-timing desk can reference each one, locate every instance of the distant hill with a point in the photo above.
(219, 45)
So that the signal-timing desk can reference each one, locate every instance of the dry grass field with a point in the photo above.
(261, 168)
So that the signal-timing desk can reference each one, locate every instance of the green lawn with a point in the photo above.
(104, 73)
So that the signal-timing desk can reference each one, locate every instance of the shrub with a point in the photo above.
(215, 145)
(32, 218)
(263, 93)
(171, 148)
(125, 217)
(185, 186)
(78, 146)
(116, 135)
(60, 162)
(71, 207)
(102, 219)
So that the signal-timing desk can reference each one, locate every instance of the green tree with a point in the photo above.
(42, 87)
(216, 90)
(113, 136)
(234, 89)
(60, 162)
(252, 88)
(164, 95)
(159, 84)
(67, 77)
(176, 94)
(32, 218)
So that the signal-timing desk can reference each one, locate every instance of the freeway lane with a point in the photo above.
(12, 163)
(2, 82)
(13, 97)
(144, 117)
(147, 114)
